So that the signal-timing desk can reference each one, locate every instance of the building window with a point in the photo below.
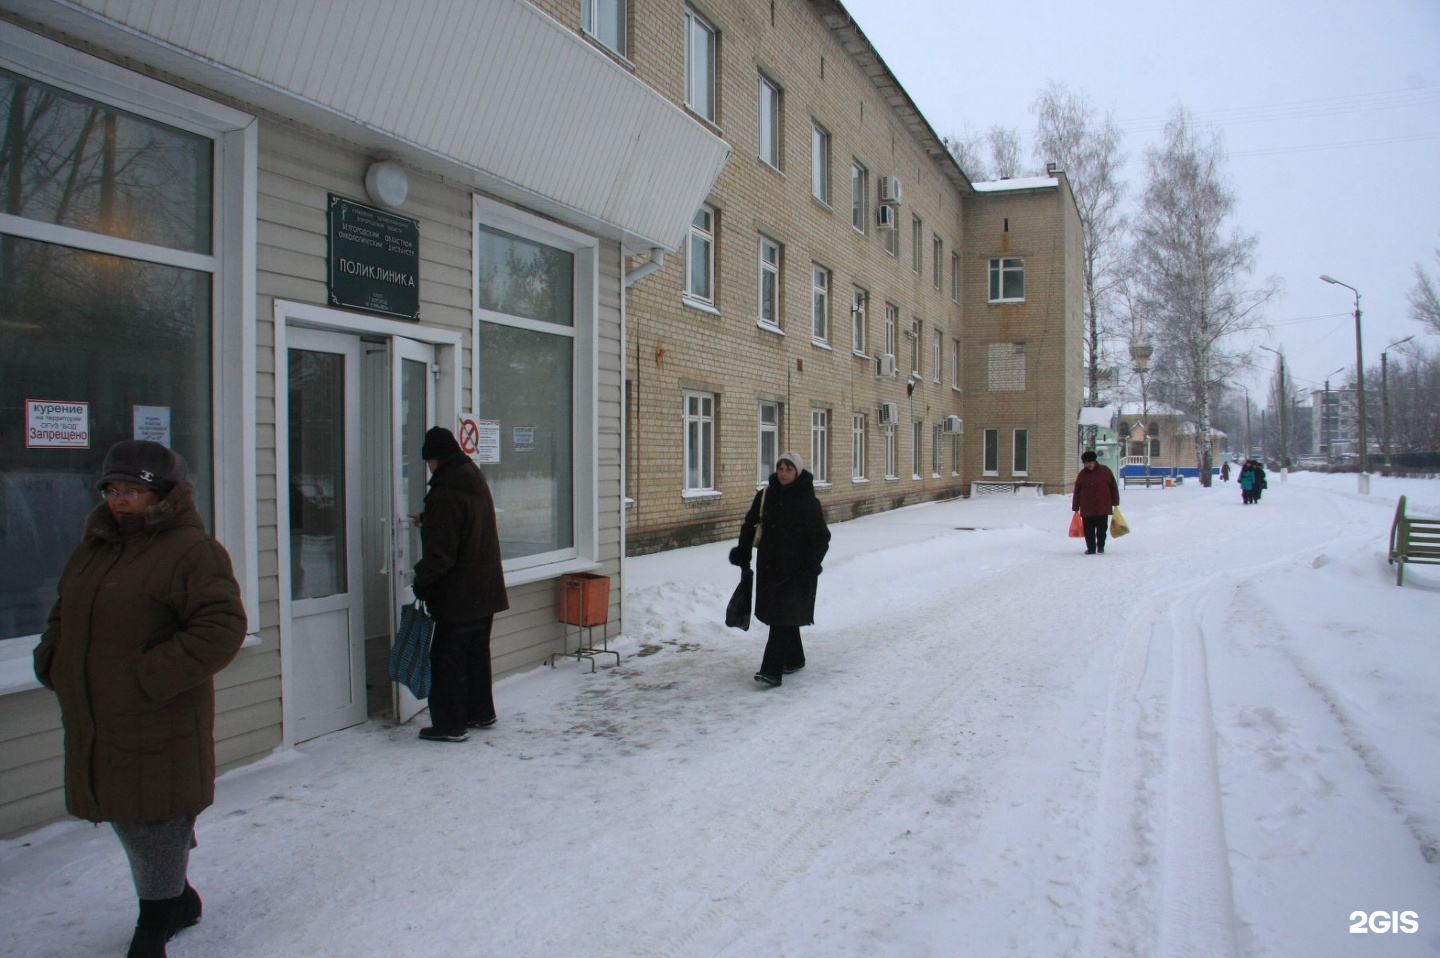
(858, 310)
(916, 329)
(769, 282)
(1020, 465)
(955, 277)
(820, 301)
(820, 164)
(917, 248)
(700, 258)
(937, 265)
(533, 325)
(955, 364)
(859, 178)
(936, 447)
(699, 442)
(892, 239)
(820, 444)
(1154, 448)
(700, 70)
(892, 328)
(954, 455)
(892, 455)
(605, 21)
(990, 461)
(917, 433)
(110, 270)
(1007, 280)
(768, 441)
(857, 446)
(937, 353)
(769, 122)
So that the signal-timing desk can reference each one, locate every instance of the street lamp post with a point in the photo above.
(1385, 400)
(1284, 401)
(1249, 443)
(1359, 378)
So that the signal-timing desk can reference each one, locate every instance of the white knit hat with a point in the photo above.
(793, 458)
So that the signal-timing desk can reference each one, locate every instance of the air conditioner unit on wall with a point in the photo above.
(889, 413)
(885, 366)
(886, 217)
(890, 191)
(954, 426)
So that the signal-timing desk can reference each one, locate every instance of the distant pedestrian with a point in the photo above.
(786, 525)
(460, 578)
(1225, 471)
(1260, 483)
(148, 612)
(1096, 495)
(1247, 481)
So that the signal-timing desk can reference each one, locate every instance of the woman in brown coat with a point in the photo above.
(1096, 495)
(148, 612)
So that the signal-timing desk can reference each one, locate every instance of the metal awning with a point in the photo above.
(492, 93)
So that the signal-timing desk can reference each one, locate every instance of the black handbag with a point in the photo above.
(737, 612)
(410, 652)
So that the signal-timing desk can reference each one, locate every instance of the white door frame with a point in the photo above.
(448, 345)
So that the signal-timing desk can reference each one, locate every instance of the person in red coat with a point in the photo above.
(1096, 494)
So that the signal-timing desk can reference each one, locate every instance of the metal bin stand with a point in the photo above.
(585, 603)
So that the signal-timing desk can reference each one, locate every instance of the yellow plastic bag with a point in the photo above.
(1118, 525)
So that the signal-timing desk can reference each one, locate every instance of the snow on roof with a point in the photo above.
(1017, 183)
(1148, 409)
(1097, 416)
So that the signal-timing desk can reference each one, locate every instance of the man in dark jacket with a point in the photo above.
(786, 524)
(148, 612)
(1096, 494)
(461, 579)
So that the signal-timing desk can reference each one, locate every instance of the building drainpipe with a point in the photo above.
(657, 260)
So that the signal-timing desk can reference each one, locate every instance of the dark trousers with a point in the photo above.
(782, 650)
(460, 682)
(1095, 532)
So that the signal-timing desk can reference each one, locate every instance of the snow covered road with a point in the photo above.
(1219, 739)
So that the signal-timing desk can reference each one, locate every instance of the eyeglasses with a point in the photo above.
(126, 493)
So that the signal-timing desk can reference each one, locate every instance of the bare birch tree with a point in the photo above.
(1087, 147)
(1425, 299)
(1189, 272)
(1005, 151)
(968, 150)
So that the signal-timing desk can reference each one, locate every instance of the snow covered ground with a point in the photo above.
(1218, 739)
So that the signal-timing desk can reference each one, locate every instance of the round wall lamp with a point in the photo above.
(387, 183)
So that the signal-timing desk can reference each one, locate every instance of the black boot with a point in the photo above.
(162, 919)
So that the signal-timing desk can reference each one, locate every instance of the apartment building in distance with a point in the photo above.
(845, 290)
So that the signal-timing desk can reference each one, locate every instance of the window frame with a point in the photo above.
(694, 23)
(231, 263)
(955, 363)
(937, 248)
(892, 453)
(858, 422)
(1020, 451)
(702, 422)
(762, 429)
(819, 162)
(892, 328)
(935, 446)
(590, 19)
(775, 271)
(859, 310)
(917, 453)
(1002, 267)
(990, 451)
(937, 346)
(859, 197)
(917, 346)
(771, 110)
(955, 276)
(820, 446)
(706, 236)
(917, 244)
(820, 278)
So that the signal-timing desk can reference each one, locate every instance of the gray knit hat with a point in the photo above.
(793, 458)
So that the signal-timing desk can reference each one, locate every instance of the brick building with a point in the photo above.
(845, 290)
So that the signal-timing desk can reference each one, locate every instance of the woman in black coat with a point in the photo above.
(786, 525)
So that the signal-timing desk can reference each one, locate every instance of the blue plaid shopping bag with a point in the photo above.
(410, 652)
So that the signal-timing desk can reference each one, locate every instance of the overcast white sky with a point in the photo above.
(1329, 110)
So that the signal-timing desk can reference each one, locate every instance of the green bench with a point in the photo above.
(1412, 540)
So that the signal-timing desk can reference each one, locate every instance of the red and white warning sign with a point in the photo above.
(57, 425)
(479, 438)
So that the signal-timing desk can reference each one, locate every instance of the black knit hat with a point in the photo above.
(439, 444)
(143, 462)
(1087, 456)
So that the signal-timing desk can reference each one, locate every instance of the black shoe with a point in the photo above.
(147, 943)
(431, 734)
(481, 723)
(769, 680)
(190, 908)
(1101, 550)
(1089, 552)
(162, 919)
(791, 669)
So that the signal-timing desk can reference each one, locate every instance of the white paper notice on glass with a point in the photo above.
(489, 446)
(152, 423)
(523, 438)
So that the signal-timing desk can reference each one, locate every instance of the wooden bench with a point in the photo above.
(1412, 540)
(1143, 480)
